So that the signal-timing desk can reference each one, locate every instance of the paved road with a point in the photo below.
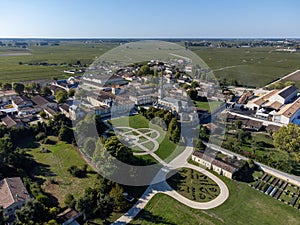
(163, 187)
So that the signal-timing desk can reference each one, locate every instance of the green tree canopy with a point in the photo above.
(46, 91)
(287, 138)
(18, 88)
(6, 86)
(61, 96)
(192, 93)
(144, 70)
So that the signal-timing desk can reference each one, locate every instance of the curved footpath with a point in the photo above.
(159, 186)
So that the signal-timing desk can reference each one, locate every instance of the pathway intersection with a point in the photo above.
(159, 186)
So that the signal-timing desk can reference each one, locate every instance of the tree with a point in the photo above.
(66, 134)
(43, 114)
(28, 88)
(61, 96)
(116, 194)
(46, 91)
(144, 70)
(194, 84)
(71, 92)
(168, 117)
(186, 86)
(287, 138)
(70, 201)
(192, 93)
(2, 219)
(6, 86)
(18, 88)
(238, 124)
(174, 131)
(33, 212)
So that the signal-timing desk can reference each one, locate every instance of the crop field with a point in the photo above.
(253, 67)
(14, 61)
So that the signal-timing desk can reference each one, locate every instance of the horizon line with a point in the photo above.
(149, 38)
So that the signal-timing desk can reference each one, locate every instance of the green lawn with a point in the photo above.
(167, 149)
(136, 121)
(54, 165)
(211, 106)
(194, 185)
(249, 66)
(244, 206)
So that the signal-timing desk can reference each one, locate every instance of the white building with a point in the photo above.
(289, 113)
(285, 95)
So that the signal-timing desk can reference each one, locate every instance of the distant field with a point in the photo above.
(67, 52)
(249, 66)
(244, 206)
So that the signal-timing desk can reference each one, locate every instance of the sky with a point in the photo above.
(149, 18)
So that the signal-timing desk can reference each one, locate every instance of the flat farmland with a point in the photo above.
(253, 67)
(14, 61)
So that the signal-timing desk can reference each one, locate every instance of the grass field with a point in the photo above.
(194, 185)
(211, 106)
(67, 52)
(244, 206)
(249, 66)
(54, 165)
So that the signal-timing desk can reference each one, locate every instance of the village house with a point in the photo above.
(13, 195)
(10, 121)
(6, 96)
(103, 98)
(19, 102)
(68, 217)
(43, 102)
(54, 89)
(102, 111)
(222, 167)
(50, 112)
(65, 109)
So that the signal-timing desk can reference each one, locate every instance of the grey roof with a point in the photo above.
(230, 166)
(12, 190)
(21, 100)
(287, 91)
(64, 107)
(11, 122)
(40, 100)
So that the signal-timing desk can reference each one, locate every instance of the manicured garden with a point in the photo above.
(167, 150)
(194, 185)
(244, 206)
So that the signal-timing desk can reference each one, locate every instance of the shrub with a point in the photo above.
(40, 136)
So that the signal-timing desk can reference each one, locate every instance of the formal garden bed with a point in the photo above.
(194, 185)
